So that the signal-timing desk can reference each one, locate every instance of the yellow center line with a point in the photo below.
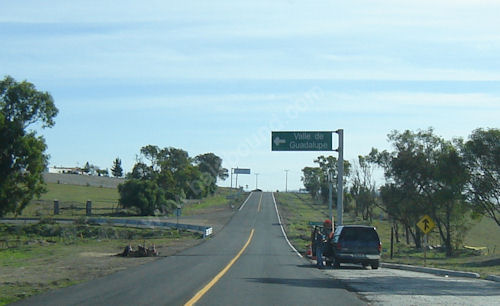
(205, 289)
(260, 202)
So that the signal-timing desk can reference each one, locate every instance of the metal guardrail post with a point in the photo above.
(89, 208)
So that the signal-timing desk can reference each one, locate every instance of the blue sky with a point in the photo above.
(219, 76)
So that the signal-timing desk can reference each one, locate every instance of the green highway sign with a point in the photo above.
(301, 141)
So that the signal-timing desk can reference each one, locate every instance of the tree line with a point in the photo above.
(453, 181)
(163, 177)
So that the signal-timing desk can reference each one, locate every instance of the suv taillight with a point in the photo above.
(380, 246)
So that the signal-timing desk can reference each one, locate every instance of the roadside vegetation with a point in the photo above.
(38, 257)
(482, 256)
(455, 182)
(164, 177)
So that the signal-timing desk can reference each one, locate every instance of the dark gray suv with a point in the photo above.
(355, 244)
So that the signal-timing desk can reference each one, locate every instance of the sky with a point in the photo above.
(219, 76)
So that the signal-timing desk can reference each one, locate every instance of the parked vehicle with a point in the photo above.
(357, 244)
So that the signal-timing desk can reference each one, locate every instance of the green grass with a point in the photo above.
(223, 197)
(298, 209)
(104, 200)
(74, 193)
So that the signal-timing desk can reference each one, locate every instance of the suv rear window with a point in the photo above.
(359, 234)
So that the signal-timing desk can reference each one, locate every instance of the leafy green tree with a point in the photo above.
(315, 179)
(117, 169)
(22, 152)
(482, 154)
(210, 166)
(312, 180)
(328, 166)
(145, 195)
(428, 174)
(174, 173)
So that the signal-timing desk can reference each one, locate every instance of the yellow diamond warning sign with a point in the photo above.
(426, 224)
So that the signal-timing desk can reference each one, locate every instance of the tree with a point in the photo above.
(328, 166)
(315, 179)
(211, 166)
(312, 180)
(22, 152)
(172, 175)
(363, 188)
(87, 168)
(425, 174)
(117, 169)
(482, 154)
(144, 195)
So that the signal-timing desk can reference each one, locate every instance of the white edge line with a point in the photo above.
(241, 207)
(282, 229)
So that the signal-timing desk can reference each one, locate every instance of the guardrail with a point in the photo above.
(205, 230)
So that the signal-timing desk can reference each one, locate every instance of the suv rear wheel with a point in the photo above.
(375, 265)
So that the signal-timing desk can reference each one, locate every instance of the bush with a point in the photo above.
(144, 195)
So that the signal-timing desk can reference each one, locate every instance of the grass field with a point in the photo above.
(223, 197)
(298, 209)
(72, 201)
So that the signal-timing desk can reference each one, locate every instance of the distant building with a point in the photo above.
(66, 170)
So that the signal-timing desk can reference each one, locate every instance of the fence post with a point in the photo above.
(56, 207)
(89, 208)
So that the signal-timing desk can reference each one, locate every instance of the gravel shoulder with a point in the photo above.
(398, 287)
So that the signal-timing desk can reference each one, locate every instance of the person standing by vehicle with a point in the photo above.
(320, 244)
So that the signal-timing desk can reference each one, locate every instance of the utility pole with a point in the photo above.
(330, 200)
(286, 180)
(256, 179)
(340, 178)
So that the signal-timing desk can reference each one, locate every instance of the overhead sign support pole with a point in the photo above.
(239, 171)
(340, 178)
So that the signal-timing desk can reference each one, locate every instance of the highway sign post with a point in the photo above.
(426, 224)
(315, 141)
(238, 171)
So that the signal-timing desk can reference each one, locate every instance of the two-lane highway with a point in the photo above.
(248, 262)
(270, 272)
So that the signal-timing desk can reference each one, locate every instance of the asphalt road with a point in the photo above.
(266, 272)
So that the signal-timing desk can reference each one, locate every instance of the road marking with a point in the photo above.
(282, 229)
(259, 209)
(246, 201)
(205, 289)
